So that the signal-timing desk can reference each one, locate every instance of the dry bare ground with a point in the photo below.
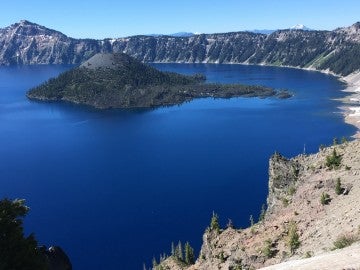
(347, 258)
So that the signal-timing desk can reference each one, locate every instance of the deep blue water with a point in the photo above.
(115, 187)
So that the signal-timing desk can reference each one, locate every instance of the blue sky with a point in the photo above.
(118, 18)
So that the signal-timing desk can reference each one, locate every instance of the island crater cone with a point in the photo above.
(110, 60)
(120, 81)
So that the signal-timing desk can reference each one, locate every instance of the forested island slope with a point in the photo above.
(337, 51)
(119, 81)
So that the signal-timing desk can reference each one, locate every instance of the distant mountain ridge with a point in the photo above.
(269, 31)
(337, 51)
(262, 31)
(178, 34)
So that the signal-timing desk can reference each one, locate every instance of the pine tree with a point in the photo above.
(172, 249)
(333, 161)
(16, 250)
(293, 237)
(179, 251)
(214, 224)
(262, 213)
(325, 198)
(251, 220)
(189, 254)
(335, 141)
(154, 262)
(230, 224)
(338, 188)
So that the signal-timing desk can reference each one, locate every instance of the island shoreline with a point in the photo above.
(350, 108)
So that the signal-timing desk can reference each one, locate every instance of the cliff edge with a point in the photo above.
(313, 209)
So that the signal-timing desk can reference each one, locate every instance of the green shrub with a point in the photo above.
(338, 188)
(343, 241)
(189, 254)
(251, 219)
(293, 240)
(335, 141)
(221, 257)
(285, 201)
(325, 198)
(178, 252)
(267, 250)
(214, 223)
(236, 267)
(291, 190)
(308, 254)
(333, 161)
(262, 213)
(252, 225)
(230, 224)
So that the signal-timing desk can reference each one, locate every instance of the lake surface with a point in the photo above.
(114, 188)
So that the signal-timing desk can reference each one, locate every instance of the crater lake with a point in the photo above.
(114, 188)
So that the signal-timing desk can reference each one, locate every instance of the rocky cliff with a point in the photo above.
(29, 43)
(313, 209)
(337, 51)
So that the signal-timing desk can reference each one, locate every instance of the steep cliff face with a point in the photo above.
(283, 176)
(298, 222)
(212, 48)
(337, 51)
(28, 43)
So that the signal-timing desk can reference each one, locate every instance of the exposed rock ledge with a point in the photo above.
(295, 188)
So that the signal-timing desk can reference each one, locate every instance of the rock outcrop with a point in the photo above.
(283, 174)
(337, 51)
(298, 223)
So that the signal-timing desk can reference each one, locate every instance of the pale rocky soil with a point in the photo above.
(347, 258)
(352, 102)
(318, 225)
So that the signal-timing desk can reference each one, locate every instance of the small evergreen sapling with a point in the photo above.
(189, 254)
(214, 224)
(262, 213)
(293, 240)
(338, 188)
(325, 198)
(334, 160)
(179, 252)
